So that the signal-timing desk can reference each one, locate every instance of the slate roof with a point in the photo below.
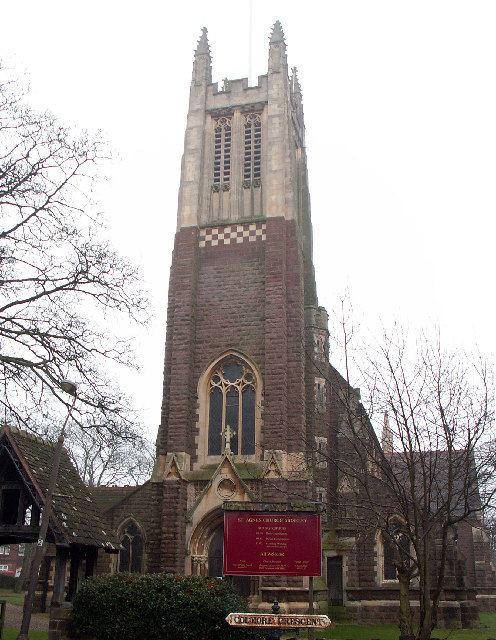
(436, 471)
(107, 498)
(77, 518)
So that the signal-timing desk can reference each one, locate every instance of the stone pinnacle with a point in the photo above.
(203, 47)
(277, 34)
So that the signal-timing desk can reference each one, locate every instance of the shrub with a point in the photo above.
(156, 606)
(7, 582)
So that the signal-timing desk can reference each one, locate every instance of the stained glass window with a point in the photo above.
(231, 413)
(215, 422)
(248, 418)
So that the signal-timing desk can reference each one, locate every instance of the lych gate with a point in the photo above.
(76, 530)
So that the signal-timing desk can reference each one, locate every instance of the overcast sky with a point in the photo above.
(400, 109)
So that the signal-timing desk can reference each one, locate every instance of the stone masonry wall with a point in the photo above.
(246, 296)
(144, 505)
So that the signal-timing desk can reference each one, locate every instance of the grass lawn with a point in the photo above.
(11, 634)
(344, 631)
(12, 597)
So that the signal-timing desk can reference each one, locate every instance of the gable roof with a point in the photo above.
(106, 498)
(76, 518)
(445, 481)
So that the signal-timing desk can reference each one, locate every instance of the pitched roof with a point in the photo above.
(107, 498)
(443, 480)
(76, 517)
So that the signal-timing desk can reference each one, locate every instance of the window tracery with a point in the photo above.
(231, 408)
(131, 554)
(222, 154)
(253, 151)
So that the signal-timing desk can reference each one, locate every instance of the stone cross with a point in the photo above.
(228, 434)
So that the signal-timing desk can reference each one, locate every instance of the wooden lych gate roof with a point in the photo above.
(76, 518)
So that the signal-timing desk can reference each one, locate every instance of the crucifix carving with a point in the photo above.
(229, 432)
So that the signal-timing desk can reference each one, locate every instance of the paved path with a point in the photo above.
(39, 621)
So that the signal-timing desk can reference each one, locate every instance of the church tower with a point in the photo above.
(240, 402)
(252, 410)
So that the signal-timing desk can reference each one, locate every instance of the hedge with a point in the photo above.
(6, 581)
(157, 606)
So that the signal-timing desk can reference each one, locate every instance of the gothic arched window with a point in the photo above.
(222, 154)
(253, 150)
(131, 554)
(231, 390)
(388, 552)
(389, 567)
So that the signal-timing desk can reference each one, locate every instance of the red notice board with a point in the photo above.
(271, 544)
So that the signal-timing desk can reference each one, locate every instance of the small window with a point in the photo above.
(320, 395)
(389, 570)
(5, 550)
(389, 550)
(131, 554)
(21, 550)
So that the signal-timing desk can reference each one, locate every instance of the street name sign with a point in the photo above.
(281, 621)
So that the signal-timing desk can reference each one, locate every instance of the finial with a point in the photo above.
(277, 34)
(387, 435)
(295, 83)
(203, 47)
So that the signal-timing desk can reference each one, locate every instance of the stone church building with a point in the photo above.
(248, 388)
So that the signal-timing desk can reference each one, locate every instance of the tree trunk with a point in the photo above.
(405, 619)
(426, 624)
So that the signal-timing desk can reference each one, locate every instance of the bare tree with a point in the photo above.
(434, 469)
(102, 460)
(60, 281)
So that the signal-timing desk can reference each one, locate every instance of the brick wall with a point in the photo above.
(10, 561)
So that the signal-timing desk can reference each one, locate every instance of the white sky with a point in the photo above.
(400, 108)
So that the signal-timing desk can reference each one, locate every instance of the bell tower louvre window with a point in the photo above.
(253, 150)
(222, 154)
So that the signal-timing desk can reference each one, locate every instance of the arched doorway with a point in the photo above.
(242, 584)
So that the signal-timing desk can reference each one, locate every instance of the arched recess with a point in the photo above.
(201, 539)
(229, 394)
(206, 550)
(132, 539)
